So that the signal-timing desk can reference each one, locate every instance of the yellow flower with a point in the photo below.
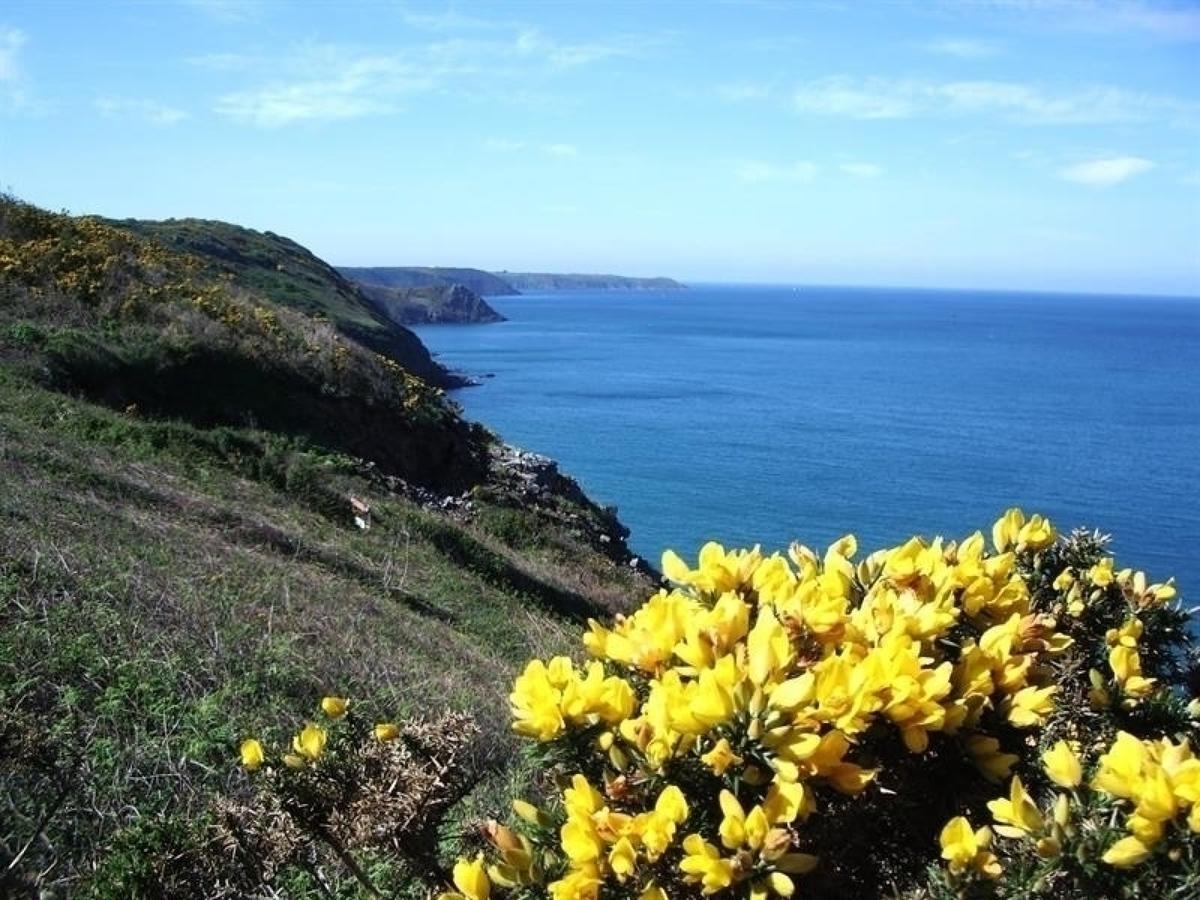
(768, 649)
(252, 754)
(1007, 528)
(721, 757)
(471, 879)
(536, 703)
(1018, 815)
(1119, 770)
(1035, 534)
(1030, 706)
(1126, 853)
(334, 707)
(622, 859)
(1101, 574)
(310, 742)
(1063, 766)
(965, 848)
(386, 731)
(702, 864)
(958, 843)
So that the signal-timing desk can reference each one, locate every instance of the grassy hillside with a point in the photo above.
(282, 271)
(178, 563)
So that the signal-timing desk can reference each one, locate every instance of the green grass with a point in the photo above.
(166, 590)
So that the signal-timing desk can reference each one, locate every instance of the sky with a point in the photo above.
(1014, 144)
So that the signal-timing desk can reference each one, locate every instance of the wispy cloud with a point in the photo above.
(361, 87)
(12, 79)
(11, 42)
(872, 98)
(962, 48)
(533, 42)
(861, 169)
(131, 108)
(505, 145)
(1106, 172)
(757, 172)
(447, 20)
(317, 82)
(881, 98)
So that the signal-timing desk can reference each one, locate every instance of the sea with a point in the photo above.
(752, 414)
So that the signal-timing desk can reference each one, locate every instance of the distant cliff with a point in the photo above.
(535, 282)
(431, 304)
(483, 283)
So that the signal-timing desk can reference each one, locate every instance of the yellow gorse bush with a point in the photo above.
(771, 676)
(735, 732)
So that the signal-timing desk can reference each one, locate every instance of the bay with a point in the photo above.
(766, 414)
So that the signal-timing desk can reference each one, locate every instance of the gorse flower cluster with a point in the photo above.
(722, 736)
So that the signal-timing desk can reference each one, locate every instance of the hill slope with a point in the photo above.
(282, 271)
(179, 566)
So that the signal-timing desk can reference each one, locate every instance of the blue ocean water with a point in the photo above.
(752, 414)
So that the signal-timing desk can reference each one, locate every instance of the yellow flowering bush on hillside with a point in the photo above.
(829, 723)
(1005, 715)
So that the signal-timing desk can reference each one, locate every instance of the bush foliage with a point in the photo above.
(937, 719)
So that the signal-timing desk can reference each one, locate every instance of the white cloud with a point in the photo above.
(561, 150)
(449, 20)
(328, 82)
(757, 172)
(11, 42)
(147, 110)
(361, 87)
(880, 98)
(861, 169)
(962, 48)
(1106, 172)
(873, 98)
(532, 42)
(13, 95)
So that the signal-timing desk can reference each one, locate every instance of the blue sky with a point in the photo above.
(1041, 144)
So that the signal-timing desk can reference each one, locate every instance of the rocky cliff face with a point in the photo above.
(432, 304)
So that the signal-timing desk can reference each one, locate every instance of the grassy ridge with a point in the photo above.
(287, 274)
